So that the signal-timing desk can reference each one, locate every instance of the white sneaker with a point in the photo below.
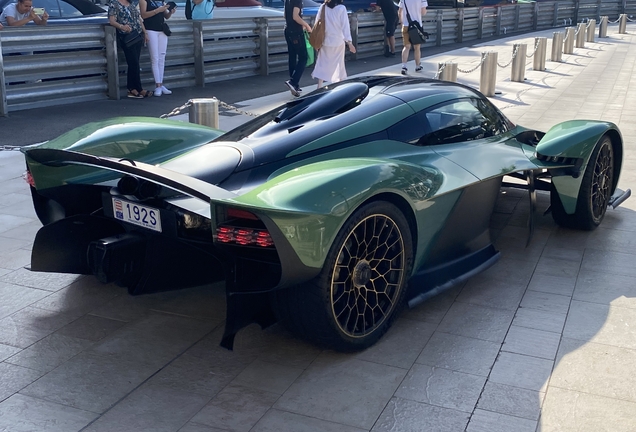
(164, 90)
(158, 91)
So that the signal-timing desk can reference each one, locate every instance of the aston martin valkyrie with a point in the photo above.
(327, 213)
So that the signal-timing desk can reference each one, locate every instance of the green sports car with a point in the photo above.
(327, 213)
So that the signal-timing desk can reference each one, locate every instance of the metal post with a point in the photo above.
(199, 61)
(568, 42)
(488, 73)
(557, 47)
(263, 42)
(204, 111)
(112, 62)
(460, 25)
(518, 70)
(498, 25)
(439, 21)
(622, 24)
(4, 108)
(591, 28)
(580, 36)
(480, 24)
(447, 71)
(602, 28)
(539, 54)
(354, 33)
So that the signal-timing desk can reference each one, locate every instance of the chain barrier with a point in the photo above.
(536, 45)
(9, 148)
(576, 33)
(222, 104)
(613, 22)
(514, 54)
(439, 71)
(483, 58)
(628, 19)
(588, 24)
(566, 36)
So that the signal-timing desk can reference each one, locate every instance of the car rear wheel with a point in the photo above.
(358, 293)
(595, 192)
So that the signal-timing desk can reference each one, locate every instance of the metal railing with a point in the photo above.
(44, 66)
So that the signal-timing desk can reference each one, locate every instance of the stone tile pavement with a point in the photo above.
(543, 341)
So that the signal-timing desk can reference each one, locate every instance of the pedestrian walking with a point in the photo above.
(296, 47)
(330, 64)
(416, 10)
(154, 13)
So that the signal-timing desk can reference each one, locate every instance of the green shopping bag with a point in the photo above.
(311, 55)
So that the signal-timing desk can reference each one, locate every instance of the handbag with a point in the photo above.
(417, 35)
(166, 29)
(311, 55)
(317, 36)
(132, 38)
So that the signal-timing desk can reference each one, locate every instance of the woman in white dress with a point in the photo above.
(330, 64)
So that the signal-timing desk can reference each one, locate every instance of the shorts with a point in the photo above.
(405, 36)
(390, 26)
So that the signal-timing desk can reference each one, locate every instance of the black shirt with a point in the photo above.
(389, 9)
(292, 25)
(154, 22)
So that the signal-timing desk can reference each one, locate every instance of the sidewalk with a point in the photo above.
(542, 341)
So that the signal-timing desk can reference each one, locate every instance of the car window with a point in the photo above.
(69, 11)
(451, 122)
(51, 7)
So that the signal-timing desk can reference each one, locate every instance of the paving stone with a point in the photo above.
(459, 353)
(597, 369)
(512, 401)
(441, 387)
(606, 289)
(15, 259)
(434, 309)
(605, 324)
(540, 320)
(571, 411)
(276, 421)
(493, 293)
(15, 297)
(90, 327)
(521, 371)
(7, 351)
(45, 281)
(552, 266)
(614, 263)
(271, 377)
(48, 353)
(560, 285)
(532, 342)
(478, 322)
(14, 378)
(235, 408)
(359, 389)
(546, 302)
(409, 416)
(486, 421)
(22, 413)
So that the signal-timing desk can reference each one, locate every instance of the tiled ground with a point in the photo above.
(542, 341)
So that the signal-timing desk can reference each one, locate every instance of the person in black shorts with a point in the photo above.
(296, 48)
(390, 12)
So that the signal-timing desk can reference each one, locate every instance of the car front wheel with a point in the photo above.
(596, 190)
(356, 296)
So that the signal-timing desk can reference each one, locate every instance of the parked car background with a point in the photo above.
(68, 11)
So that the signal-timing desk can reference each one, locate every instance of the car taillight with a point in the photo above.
(244, 236)
(29, 178)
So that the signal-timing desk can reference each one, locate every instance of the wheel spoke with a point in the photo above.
(362, 304)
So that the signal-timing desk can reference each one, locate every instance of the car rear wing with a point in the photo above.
(171, 179)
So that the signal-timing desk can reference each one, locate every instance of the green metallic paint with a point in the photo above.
(572, 139)
(122, 138)
(344, 184)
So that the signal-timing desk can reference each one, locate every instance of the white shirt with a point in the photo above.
(337, 30)
(12, 11)
(415, 10)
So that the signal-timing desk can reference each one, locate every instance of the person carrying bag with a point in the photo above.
(412, 32)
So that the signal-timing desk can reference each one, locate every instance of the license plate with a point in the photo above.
(136, 214)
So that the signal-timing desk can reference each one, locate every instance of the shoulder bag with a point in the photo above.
(132, 38)
(417, 35)
(317, 35)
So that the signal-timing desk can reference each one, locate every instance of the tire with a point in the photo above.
(596, 190)
(360, 290)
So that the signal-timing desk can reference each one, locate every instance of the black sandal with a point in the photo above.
(145, 93)
(134, 94)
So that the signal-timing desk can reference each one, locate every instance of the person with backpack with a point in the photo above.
(411, 10)
(199, 9)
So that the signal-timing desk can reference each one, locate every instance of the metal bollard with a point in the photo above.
(205, 112)
(539, 54)
(447, 71)
(580, 36)
(591, 27)
(518, 70)
(557, 47)
(622, 24)
(602, 27)
(568, 42)
(488, 73)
